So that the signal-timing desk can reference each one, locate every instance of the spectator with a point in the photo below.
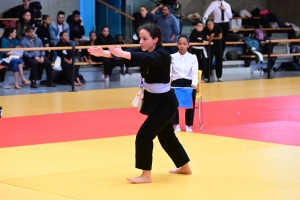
(213, 33)
(104, 38)
(119, 40)
(23, 23)
(86, 56)
(198, 35)
(26, 6)
(57, 27)
(222, 14)
(36, 59)
(169, 26)
(66, 58)
(184, 73)
(140, 18)
(76, 27)
(15, 63)
(43, 32)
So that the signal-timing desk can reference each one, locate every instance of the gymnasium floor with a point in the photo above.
(63, 145)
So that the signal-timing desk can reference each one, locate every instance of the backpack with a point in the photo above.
(295, 49)
(232, 55)
(251, 43)
(259, 34)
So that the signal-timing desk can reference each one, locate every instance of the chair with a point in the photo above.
(199, 99)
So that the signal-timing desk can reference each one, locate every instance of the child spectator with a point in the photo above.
(43, 32)
(76, 27)
(23, 23)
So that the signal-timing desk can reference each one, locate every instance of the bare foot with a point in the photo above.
(17, 87)
(140, 179)
(185, 169)
(25, 82)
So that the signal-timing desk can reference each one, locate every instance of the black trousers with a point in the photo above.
(108, 65)
(67, 70)
(202, 61)
(189, 113)
(225, 30)
(216, 51)
(36, 69)
(159, 124)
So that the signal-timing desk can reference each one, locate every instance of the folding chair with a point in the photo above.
(199, 99)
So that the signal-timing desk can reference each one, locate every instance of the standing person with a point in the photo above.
(15, 63)
(44, 34)
(23, 23)
(66, 58)
(160, 102)
(213, 33)
(222, 14)
(76, 28)
(184, 73)
(169, 26)
(141, 18)
(36, 59)
(104, 38)
(198, 35)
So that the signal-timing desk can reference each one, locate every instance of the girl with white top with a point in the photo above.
(184, 73)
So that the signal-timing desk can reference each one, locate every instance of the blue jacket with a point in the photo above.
(37, 42)
(53, 29)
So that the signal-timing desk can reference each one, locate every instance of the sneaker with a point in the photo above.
(33, 85)
(106, 79)
(6, 86)
(206, 79)
(177, 128)
(188, 129)
(220, 80)
(50, 84)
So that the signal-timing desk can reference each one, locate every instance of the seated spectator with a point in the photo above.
(36, 59)
(57, 27)
(23, 23)
(26, 6)
(76, 27)
(198, 35)
(44, 34)
(140, 18)
(104, 38)
(119, 40)
(86, 56)
(14, 61)
(169, 26)
(66, 58)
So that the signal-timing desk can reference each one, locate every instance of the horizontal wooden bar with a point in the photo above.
(15, 19)
(263, 29)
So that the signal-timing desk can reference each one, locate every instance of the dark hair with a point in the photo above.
(118, 35)
(165, 5)
(91, 33)
(61, 33)
(103, 27)
(144, 7)
(45, 17)
(209, 20)
(183, 36)
(154, 31)
(8, 31)
(198, 22)
(60, 13)
(76, 12)
(26, 11)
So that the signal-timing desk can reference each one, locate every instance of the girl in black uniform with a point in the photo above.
(160, 103)
(214, 34)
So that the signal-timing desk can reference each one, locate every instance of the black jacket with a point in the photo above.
(76, 30)
(195, 35)
(101, 40)
(60, 52)
(44, 34)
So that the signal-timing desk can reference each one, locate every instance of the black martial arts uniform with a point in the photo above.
(160, 108)
(216, 50)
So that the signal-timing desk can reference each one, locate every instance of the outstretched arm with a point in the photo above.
(99, 52)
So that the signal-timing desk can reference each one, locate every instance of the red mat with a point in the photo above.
(275, 120)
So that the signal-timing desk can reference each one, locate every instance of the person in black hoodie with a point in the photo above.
(44, 34)
(66, 58)
(104, 38)
(76, 28)
(198, 35)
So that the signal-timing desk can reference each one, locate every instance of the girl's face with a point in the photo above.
(13, 34)
(182, 45)
(93, 36)
(27, 16)
(210, 25)
(48, 21)
(105, 32)
(199, 27)
(146, 41)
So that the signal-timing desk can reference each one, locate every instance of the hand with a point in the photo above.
(42, 59)
(195, 87)
(47, 45)
(173, 37)
(116, 50)
(89, 61)
(207, 37)
(199, 38)
(222, 8)
(80, 21)
(37, 59)
(161, 5)
(96, 51)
